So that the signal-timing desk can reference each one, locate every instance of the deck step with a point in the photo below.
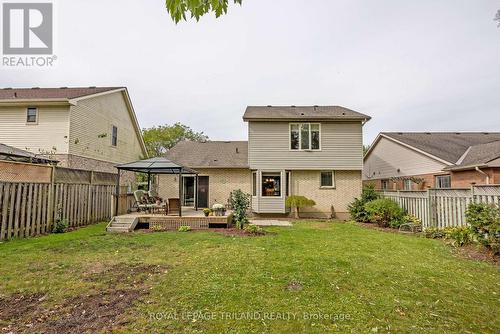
(122, 224)
(118, 229)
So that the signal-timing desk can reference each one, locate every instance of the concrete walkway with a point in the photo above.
(270, 222)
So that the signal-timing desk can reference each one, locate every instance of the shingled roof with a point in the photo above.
(277, 113)
(210, 154)
(12, 153)
(51, 93)
(451, 146)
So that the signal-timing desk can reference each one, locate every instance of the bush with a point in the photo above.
(433, 233)
(297, 202)
(254, 229)
(240, 202)
(459, 236)
(357, 207)
(484, 220)
(384, 212)
(184, 228)
(207, 211)
(60, 226)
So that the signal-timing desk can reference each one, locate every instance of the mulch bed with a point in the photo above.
(94, 312)
(235, 232)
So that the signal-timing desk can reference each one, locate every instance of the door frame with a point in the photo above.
(197, 193)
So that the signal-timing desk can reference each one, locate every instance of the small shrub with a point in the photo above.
(297, 202)
(254, 229)
(60, 226)
(433, 233)
(484, 220)
(384, 212)
(156, 228)
(357, 207)
(207, 212)
(184, 228)
(459, 236)
(240, 202)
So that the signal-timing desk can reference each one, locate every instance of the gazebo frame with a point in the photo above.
(158, 165)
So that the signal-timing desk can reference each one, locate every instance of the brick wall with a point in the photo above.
(347, 187)
(221, 182)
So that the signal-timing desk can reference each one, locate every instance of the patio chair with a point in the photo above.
(173, 205)
(141, 201)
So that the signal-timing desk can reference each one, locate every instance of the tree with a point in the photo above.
(240, 202)
(497, 17)
(297, 202)
(159, 139)
(197, 8)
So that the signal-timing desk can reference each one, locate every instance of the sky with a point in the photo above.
(410, 65)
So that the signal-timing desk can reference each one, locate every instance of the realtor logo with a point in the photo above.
(27, 28)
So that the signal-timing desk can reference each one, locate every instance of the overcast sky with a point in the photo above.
(411, 65)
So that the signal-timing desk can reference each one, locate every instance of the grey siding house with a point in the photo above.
(314, 151)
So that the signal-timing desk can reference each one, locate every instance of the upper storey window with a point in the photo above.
(305, 136)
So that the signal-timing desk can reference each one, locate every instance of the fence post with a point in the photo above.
(51, 202)
(473, 200)
(430, 216)
(89, 197)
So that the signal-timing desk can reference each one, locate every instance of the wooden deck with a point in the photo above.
(190, 217)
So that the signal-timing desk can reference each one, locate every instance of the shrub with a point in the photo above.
(207, 211)
(184, 228)
(484, 220)
(296, 202)
(384, 212)
(254, 229)
(156, 228)
(60, 226)
(240, 202)
(357, 207)
(459, 236)
(433, 233)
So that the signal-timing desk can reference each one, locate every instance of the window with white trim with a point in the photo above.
(443, 181)
(305, 136)
(32, 115)
(327, 179)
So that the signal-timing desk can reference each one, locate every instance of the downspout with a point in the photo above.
(485, 174)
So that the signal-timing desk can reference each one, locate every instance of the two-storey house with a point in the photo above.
(313, 151)
(91, 128)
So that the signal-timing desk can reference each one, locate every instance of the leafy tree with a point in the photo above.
(297, 202)
(161, 138)
(197, 8)
(240, 202)
(497, 17)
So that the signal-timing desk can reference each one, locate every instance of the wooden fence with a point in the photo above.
(443, 207)
(80, 197)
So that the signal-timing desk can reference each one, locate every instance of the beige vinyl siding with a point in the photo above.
(388, 156)
(50, 134)
(269, 147)
(91, 122)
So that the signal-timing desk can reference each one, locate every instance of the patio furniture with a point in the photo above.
(141, 201)
(173, 205)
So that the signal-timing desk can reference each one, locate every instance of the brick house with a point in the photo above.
(416, 161)
(312, 151)
(91, 128)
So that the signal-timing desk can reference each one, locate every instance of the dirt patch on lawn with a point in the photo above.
(383, 229)
(477, 253)
(92, 312)
(294, 286)
(235, 232)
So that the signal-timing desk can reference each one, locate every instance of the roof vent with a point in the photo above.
(315, 107)
(269, 106)
(400, 133)
(486, 133)
(427, 133)
(302, 114)
(457, 133)
(35, 88)
(63, 87)
(292, 106)
(8, 88)
(92, 87)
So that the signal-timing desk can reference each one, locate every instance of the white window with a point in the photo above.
(327, 179)
(408, 184)
(305, 136)
(114, 136)
(443, 181)
(32, 115)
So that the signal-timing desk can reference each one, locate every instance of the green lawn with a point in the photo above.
(316, 277)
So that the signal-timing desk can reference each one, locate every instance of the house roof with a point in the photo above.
(210, 154)
(51, 93)
(447, 146)
(269, 113)
(478, 155)
(15, 154)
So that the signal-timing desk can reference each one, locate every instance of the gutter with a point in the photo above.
(485, 174)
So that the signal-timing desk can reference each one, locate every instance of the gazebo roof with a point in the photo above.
(158, 165)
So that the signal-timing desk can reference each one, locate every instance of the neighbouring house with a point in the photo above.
(312, 151)
(417, 161)
(91, 128)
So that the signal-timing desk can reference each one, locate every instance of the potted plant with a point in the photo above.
(219, 209)
(207, 211)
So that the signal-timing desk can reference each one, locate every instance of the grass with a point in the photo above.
(318, 276)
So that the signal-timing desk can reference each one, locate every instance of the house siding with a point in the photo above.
(50, 134)
(91, 122)
(387, 157)
(347, 187)
(341, 147)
